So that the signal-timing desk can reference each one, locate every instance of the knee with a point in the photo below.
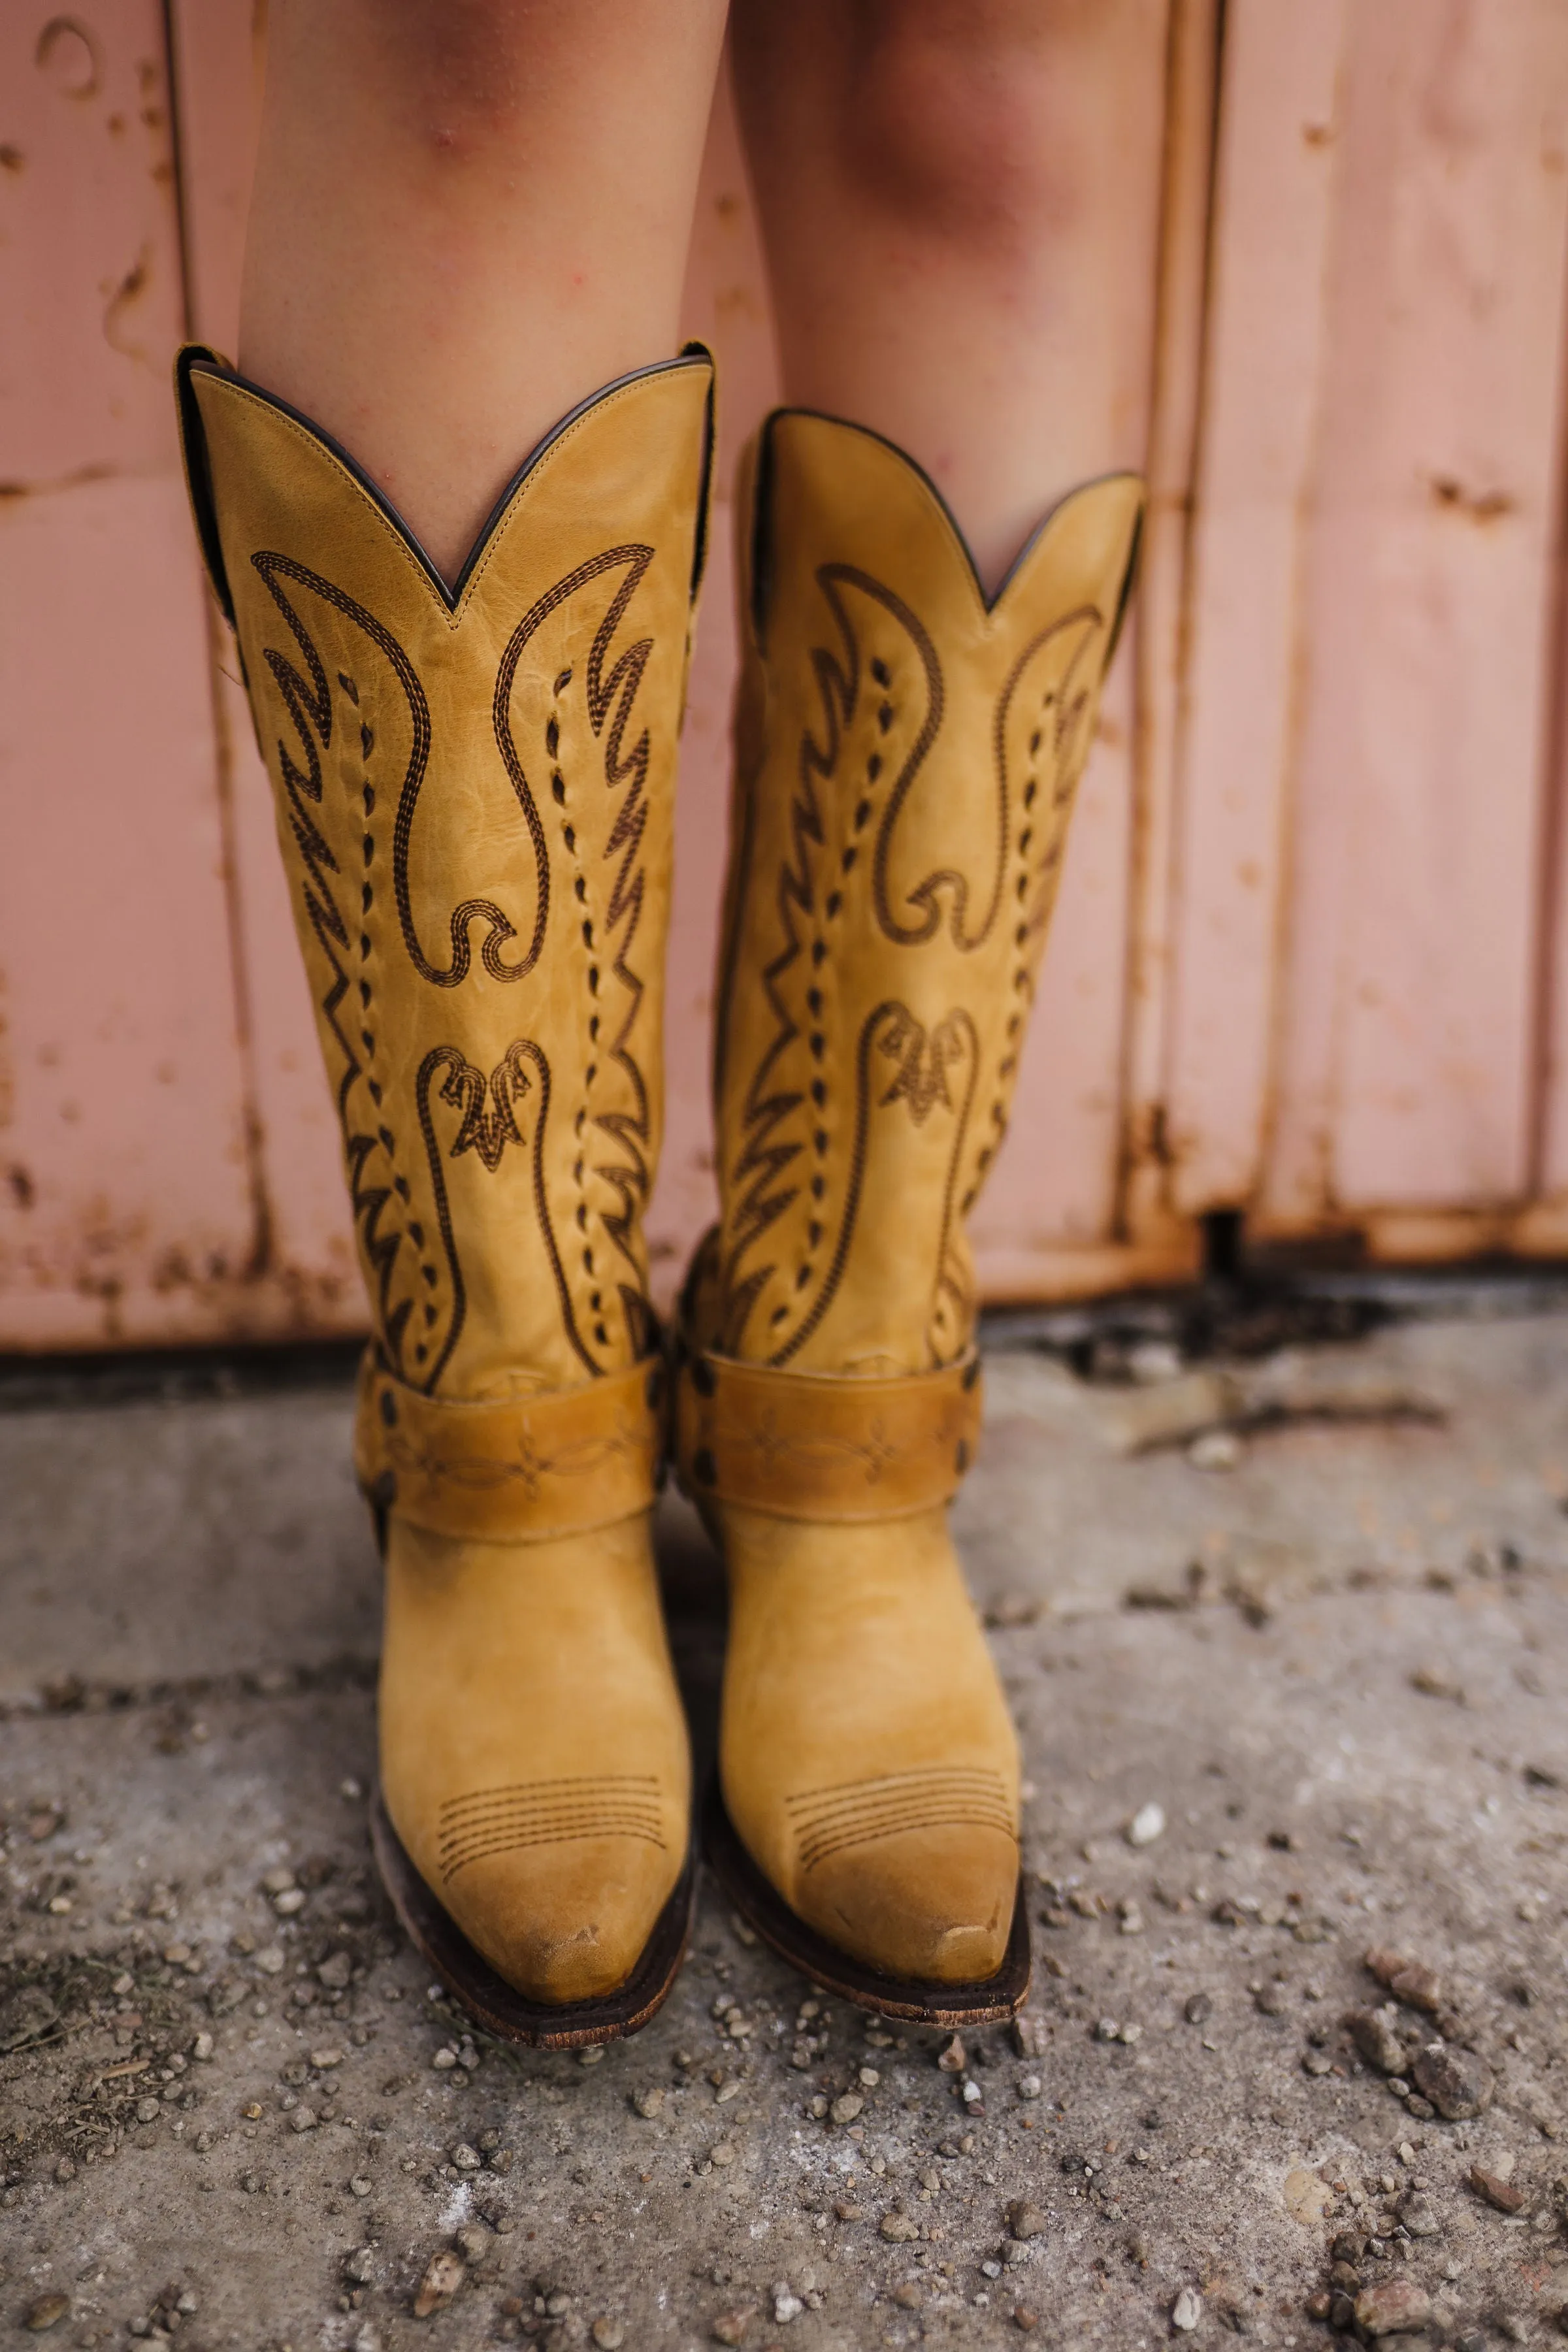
(460, 67)
(961, 111)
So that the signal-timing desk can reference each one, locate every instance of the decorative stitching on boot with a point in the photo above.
(420, 1354)
(825, 1446)
(827, 1820)
(511, 1470)
(610, 621)
(897, 859)
(487, 1822)
(1066, 717)
(611, 689)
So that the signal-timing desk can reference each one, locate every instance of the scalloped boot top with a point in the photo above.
(474, 796)
(907, 757)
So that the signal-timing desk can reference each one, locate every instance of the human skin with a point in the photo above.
(468, 215)
(948, 192)
(471, 213)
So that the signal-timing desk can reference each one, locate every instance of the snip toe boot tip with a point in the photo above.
(988, 2000)
(497, 2005)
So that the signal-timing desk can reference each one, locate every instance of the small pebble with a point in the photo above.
(1438, 1682)
(845, 2109)
(467, 2158)
(1395, 2307)
(951, 2057)
(648, 2102)
(1418, 2218)
(443, 2277)
(1146, 1824)
(1377, 2042)
(47, 2312)
(359, 2185)
(787, 2304)
(1026, 2319)
(1025, 2220)
(1497, 2189)
(1197, 2009)
(1187, 2311)
(1217, 1449)
(609, 2335)
(730, 2326)
(898, 2229)
(1458, 2083)
(1410, 1981)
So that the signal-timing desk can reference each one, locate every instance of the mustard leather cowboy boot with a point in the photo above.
(473, 792)
(907, 755)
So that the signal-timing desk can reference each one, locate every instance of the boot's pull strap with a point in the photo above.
(814, 1445)
(514, 1472)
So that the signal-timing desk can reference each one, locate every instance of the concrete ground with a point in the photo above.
(1287, 1635)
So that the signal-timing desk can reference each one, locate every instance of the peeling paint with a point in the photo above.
(69, 55)
(129, 291)
(1475, 506)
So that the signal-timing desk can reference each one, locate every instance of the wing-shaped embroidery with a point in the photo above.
(600, 803)
(335, 818)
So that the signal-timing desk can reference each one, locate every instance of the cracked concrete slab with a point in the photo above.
(232, 2115)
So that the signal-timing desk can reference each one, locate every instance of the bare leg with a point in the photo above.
(468, 214)
(956, 198)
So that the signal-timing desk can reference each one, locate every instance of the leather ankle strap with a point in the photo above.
(816, 1446)
(552, 1464)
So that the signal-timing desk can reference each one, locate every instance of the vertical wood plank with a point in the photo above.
(1546, 1225)
(1187, 216)
(1053, 1192)
(219, 57)
(1275, 178)
(128, 1211)
(1408, 1066)
(307, 1262)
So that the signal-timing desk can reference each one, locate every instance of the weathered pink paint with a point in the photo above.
(1310, 958)
(1145, 1215)
(309, 1276)
(129, 1209)
(1264, 369)
(1408, 1066)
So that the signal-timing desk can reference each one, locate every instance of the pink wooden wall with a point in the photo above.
(1312, 958)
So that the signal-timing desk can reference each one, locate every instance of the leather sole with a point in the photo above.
(985, 2001)
(498, 2005)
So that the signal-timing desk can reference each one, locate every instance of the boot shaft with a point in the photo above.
(474, 796)
(906, 759)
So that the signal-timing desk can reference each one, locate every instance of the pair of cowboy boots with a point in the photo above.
(474, 788)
